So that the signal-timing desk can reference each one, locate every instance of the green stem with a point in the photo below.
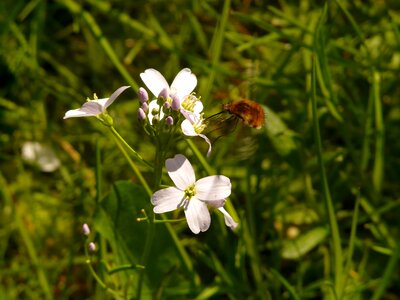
(352, 240)
(200, 157)
(388, 274)
(286, 284)
(97, 278)
(378, 171)
(132, 165)
(170, 221)
(158, 164)
(217, 46)
(337, 250)
(125, 267)
(121, 139)
(102, 241)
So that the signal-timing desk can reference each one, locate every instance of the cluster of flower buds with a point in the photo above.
(175, 109)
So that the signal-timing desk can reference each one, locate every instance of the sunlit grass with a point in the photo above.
(315, 191)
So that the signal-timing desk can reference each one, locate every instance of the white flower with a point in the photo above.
(93, 108)
(184, 83)
(194, 125)
(41, 155)
(192, 195)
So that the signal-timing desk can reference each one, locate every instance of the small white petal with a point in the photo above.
(181, 171)
(197, 216)
(190, 116)
(184, 83)
(115, 95)
(217, 203)
(94, 106)
(208, 142)
(154, 81)
(102, 102)
(198, 107)
(228, 219)
(76, 113)
(187, 128)
(88, 109)
(211, 188)
(167, 199)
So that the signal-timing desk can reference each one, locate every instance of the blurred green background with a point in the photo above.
(288, 178)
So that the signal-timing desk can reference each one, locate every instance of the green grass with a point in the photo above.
(315, 191)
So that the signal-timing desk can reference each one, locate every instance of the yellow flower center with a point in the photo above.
(199, 126)
(189, 102)
(190, 191)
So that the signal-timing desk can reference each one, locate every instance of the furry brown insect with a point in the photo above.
(250, 112)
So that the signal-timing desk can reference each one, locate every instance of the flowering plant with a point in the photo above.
(173, 112)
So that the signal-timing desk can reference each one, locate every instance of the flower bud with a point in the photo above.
(141, 114)
(145, 106)
(167, 105)
(176, 102)
(155, 119)
(142, 94)
(85, 229)
(163, 93)
(169, 121)
(92, 247)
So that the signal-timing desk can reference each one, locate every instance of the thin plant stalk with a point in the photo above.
(121, 139)
(337, 249)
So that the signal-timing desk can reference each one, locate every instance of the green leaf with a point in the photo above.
(116, 220)
(294, 249)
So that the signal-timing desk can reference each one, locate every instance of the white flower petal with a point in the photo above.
(216, 203)
(101, 102)
(184, 83)
(187, 128)
(190, 116)
(197, 216)
(211, 188)
(154, 81)
(94, 106)
(198, 107)
(208, 142)
(88, 109)
(228, 219)
(115, 95)
(76, 113)
(167, 199)
(181, 171)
